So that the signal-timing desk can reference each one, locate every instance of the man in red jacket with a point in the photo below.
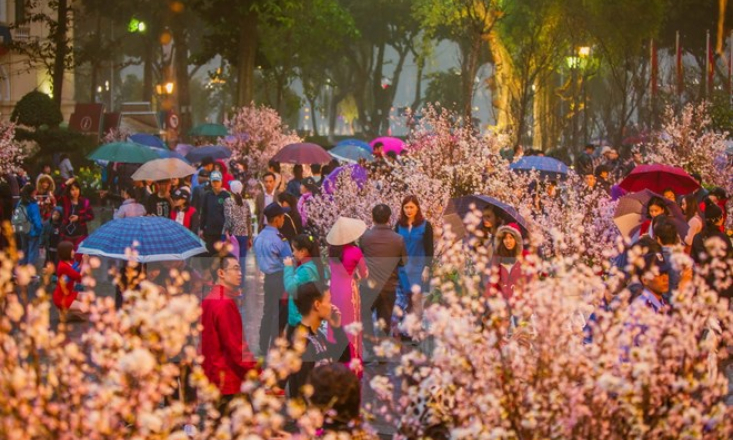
(227, 358)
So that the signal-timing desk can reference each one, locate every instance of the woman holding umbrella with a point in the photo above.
(654, 208)
(418, 235)
(77, 212)
(509, 254)
(347, 266)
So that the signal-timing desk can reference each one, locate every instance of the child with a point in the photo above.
(314, 304)
(65, 296)
(309, 269)
(51, 235)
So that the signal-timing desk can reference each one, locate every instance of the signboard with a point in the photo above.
(87, 118)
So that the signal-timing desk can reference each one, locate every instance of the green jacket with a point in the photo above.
(294, 277)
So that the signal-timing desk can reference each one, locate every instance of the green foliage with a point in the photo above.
(444, 89)
(36, 109)
(55, 140)
(721, 113)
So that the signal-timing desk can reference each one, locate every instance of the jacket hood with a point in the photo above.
(46, 178)
(500, 235)
(224, 168)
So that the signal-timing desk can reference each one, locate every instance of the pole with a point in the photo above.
(112, 70)
(680, 78)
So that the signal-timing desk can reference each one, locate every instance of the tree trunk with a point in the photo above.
(471, 54)
(59, 63)
(314, 116)
(183, 90)
(246, 59)
(506, 82)
(378, 93)
(418, 83)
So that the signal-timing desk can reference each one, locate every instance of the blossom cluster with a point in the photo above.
(12, 152)
(257, 133)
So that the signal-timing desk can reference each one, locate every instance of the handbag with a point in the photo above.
(235, 245)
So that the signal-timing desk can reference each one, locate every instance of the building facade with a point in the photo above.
(17, 75)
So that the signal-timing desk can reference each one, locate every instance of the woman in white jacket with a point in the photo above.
(692, 214)
(130, 207)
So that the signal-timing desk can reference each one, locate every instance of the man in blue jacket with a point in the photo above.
(212, 213)
(27, 218)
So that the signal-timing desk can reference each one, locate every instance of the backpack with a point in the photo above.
(20, 221)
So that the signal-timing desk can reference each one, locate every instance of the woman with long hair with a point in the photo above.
(238, 220)
(507, 261)
(348, 266)
(77, 212)
(655, 207)
(45, 187)
(418, 235)
(694, 220)
(28, 214)
(309, 269)
(293, 224)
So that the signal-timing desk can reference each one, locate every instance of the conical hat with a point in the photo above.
(346, 230)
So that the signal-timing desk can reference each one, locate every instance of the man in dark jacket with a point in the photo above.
(212, 213)
(584, 162)
(384, 251)
(314, 304)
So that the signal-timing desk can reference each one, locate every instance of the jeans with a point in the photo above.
(275, 312)
(30, 249)
(243, 241)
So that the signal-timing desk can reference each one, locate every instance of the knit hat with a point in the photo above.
(236, 186)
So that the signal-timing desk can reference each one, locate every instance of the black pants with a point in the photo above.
(381, 301)
(275, 313)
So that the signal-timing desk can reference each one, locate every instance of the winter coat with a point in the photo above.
(130, 208)
(227, 357)
(212, 212)
(237, 219)
(83, 209)
(509, 269)
(292, 279)
(34, 217)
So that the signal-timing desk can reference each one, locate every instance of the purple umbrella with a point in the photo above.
(184, 149)
(390, 144)
(358, 175)
(303, 153)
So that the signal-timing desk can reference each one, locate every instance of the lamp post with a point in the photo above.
(578, 61)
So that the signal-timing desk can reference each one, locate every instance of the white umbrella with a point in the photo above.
(163, 169)
(346, 230)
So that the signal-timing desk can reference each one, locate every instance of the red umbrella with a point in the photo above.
(657, 178)
(303, 153)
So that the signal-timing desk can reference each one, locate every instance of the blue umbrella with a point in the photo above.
(165, 153)
(215, 151)
(547, 166)
(157, 238)
(351, 153)
(148, 139)
(356, 143)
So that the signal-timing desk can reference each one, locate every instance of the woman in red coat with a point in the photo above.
(507, 262)
(69, 273)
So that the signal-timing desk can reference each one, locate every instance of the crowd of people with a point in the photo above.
(357, 282)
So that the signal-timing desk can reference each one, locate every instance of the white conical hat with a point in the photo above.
(346, 230)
